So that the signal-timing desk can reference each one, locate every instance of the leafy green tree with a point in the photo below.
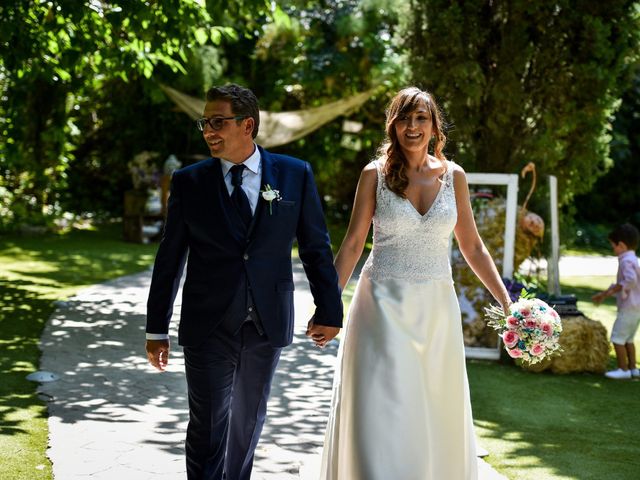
(54, 56)
(314, 52)
(107, 108)
(615, 197)
(527, 81)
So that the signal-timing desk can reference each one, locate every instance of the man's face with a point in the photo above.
(233, 140)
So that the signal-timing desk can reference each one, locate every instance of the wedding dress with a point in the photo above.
(400, 408)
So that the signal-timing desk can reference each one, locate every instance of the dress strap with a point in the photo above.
(379, 166)
(448, 175)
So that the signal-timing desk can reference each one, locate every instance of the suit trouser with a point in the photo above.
(229, 379)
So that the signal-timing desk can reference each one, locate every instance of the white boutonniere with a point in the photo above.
(269, 194)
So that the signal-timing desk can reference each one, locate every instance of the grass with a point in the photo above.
(544, 426)
(35, 272)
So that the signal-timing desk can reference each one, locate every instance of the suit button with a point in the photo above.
(251, 309)
(245, 256)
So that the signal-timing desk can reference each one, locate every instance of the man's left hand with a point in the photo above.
(321, 334)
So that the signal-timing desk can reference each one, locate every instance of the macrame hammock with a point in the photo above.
(279, 128)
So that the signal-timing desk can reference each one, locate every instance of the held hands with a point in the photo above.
(321, 334)
(158, 353)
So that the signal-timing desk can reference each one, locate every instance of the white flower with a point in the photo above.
(269, 194)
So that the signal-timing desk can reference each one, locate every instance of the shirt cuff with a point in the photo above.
(157, 336)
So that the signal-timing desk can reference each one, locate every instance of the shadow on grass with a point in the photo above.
(76, 259)
(21, 314)
(572, 426)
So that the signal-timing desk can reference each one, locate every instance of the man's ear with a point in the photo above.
(249, 124)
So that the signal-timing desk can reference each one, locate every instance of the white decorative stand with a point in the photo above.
(553, 273)
(511, 181)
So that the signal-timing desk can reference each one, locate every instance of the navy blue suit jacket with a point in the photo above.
(199, 228)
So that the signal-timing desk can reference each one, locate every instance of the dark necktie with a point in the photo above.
(238, 197)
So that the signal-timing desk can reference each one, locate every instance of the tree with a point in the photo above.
(99, 104)
(314, 52)
(53, 57)
(527, 81)
(615, 197)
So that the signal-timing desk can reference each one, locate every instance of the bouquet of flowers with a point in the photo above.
(530, 331)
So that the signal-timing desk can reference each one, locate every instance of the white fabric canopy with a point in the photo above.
(279, 128)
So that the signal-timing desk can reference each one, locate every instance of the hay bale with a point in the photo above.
(585, 348)
(537, 367)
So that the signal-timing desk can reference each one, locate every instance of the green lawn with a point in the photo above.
(544, 426)
(34, 272)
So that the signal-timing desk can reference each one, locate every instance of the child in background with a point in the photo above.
(624, 241)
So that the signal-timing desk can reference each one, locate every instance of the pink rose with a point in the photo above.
(537, 350)
(510, 338)
(530, 323)
(547, 329)
(512, 322)
(525, 311)
(515, 352)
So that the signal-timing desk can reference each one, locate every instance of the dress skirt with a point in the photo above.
(400, 407)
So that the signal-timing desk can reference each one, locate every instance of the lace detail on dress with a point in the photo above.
(407, 245)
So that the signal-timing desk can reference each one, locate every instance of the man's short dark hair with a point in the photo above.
(627, 234)
(243, 102)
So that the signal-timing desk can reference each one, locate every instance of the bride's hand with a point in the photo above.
(505, 308)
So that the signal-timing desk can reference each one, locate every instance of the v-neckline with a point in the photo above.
(442, 181)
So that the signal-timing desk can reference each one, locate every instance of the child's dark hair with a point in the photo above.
(627, 234)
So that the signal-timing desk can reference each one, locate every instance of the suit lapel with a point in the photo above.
(269, 177)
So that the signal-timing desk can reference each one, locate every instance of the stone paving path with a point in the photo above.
(112, 416)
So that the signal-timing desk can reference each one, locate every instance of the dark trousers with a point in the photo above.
(229, 379)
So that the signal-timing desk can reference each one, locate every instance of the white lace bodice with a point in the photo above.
(407, 245)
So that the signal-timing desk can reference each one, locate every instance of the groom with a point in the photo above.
(237, 300)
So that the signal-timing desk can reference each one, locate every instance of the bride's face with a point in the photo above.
(414, 129)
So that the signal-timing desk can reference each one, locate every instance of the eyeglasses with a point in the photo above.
(216, 123)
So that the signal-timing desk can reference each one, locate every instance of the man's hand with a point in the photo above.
(158, 353)
(321, 334)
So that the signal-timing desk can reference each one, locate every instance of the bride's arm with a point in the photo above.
(471, 245)
(364, 205)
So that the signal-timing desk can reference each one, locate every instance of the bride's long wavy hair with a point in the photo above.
(395, 164)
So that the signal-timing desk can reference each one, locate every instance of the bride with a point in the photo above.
(400, 407)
